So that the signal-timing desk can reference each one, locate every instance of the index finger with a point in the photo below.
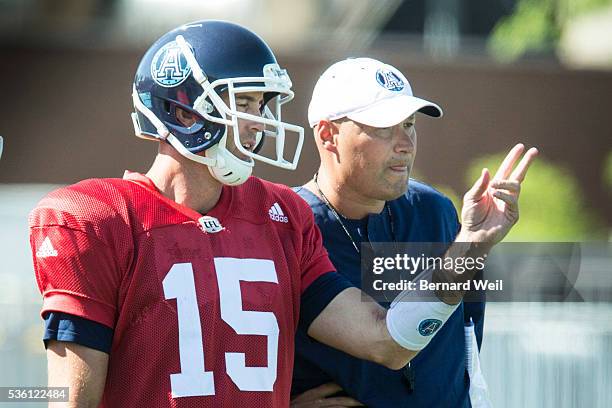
(521, 170)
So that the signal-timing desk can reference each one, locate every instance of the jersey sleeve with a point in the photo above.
(75, 273)
(76, 242)
(315, 260)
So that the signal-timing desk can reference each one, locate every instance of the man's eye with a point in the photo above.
(384, 132)
(408, 125)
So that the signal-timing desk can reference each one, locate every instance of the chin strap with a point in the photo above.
(229, 169)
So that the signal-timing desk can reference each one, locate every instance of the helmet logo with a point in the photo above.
(169, 67)
(389, 80)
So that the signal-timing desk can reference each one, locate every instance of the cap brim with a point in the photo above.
(390, 112)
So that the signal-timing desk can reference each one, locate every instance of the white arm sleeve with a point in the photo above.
(412, 322)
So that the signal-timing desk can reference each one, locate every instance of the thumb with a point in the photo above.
(480, 186)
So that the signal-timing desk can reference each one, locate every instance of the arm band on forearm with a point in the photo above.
(412, 322)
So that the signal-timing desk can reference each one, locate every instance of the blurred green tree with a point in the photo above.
(536, 26)
(552, 206)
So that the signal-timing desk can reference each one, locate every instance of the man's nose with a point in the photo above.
(256, 126)
(405, 139)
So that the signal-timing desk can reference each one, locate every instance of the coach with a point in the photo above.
(363, 116)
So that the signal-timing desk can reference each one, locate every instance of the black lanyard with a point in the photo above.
(407, 372)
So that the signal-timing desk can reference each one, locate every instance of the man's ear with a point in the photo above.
(325, 135)
(184, 117)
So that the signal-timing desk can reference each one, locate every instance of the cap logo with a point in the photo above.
(389, 80)
(169, 67)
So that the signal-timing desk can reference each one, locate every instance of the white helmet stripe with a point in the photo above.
(191, 61)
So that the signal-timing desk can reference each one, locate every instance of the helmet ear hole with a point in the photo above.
(184, 117)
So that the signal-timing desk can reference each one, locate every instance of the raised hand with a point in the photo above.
(490, 207)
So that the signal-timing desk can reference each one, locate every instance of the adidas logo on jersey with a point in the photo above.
(276, 214)
(46, 249)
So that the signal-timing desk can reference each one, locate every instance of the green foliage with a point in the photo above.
(536, 26)
(552, 207)
(578, 7)
(528, 29)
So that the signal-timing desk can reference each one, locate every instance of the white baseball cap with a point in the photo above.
(367, 91)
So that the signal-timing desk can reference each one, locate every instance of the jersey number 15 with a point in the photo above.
(179, 284)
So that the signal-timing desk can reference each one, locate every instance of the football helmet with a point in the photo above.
(190, 68)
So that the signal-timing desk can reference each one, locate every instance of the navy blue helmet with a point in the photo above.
(190, 68)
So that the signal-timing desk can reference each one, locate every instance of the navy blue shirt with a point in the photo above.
(421, 215)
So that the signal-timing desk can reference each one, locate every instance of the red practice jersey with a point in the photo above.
(204, 309)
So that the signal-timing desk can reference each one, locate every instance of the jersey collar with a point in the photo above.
(219, 210)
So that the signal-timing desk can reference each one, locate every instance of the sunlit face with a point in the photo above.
(376, 162)
(251, 103)
(246, 102)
